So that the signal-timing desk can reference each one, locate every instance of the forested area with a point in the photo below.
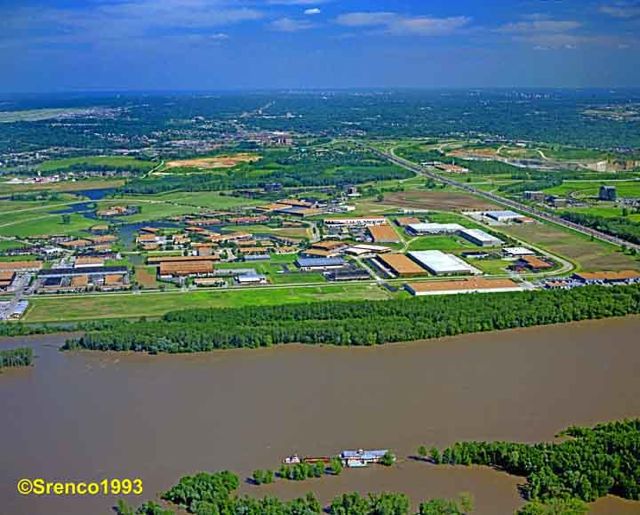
(214, 494)
(360, 322)
(619, 226)
(18, 357)
(589, 464)
(291, 168)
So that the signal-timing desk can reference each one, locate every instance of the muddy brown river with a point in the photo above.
(87, 416)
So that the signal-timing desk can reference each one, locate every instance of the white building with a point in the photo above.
(481, 238)
(516, 252)
(439, 263)
(503, 216)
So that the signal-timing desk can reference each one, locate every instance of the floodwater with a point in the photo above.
(86, 416)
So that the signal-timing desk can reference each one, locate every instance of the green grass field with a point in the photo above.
(444, 243)
(102, 161)
(91, 307)
(44, 224)
(206, 199)
(591, 188)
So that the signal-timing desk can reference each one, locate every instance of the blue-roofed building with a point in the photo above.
(309, 264)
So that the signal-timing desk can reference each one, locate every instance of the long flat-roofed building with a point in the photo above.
(20, 266)
(503, 216)
(474, 285)
(185, 268)
(383, 234)
(434, 228)
(622, 276)
(401, 266)
(481, 238)
(439, 263)
(319, 263)
(361, 221)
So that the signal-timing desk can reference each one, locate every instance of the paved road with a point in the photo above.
(429, 172)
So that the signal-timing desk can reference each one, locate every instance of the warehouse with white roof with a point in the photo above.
(503, 216)
(481, 238)
(439, 263)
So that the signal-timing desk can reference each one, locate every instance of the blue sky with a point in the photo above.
(60, 45)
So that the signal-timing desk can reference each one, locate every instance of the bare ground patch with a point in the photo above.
(437, 200)
(211, 163)
(591, 255)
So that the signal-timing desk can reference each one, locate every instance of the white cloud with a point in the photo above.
(540, 26)
(625, 10)
(394, 23)
(313, 11)
(365, 19)
(290, 25)
(101, 22)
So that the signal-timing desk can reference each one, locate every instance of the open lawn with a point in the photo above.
(588, 255)
(591, 188)
(89, 184)
(206, 199)
(113, 162)
(45, 224)
(90, 307)
(444, 243)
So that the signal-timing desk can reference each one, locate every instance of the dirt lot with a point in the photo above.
(437, 200)
(210, 163)
(590, 255)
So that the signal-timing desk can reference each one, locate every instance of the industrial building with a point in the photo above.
(400, 265)
(620, 277)
(171, 269)
(361, 221)
(318, 264)
(349, 273)
(403, 221)
(514, 252)
(439, 263)
(503, 216)
(383, 234)
(533, 263)
(20, 266)
(434, 228)
(363, 249)
(475, 285)
(480, 238)
(607, 193)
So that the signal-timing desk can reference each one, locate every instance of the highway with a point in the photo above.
(512, 204)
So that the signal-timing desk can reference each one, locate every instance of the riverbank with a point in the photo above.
(84, 415)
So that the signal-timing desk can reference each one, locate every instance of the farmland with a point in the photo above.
(89, 307)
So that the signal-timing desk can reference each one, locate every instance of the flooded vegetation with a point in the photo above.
(85, 416)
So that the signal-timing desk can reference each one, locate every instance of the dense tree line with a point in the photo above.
(589, 464)
(360, 322)
(214, 494)
(336, 165)
(619, 226)
(18, 357)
